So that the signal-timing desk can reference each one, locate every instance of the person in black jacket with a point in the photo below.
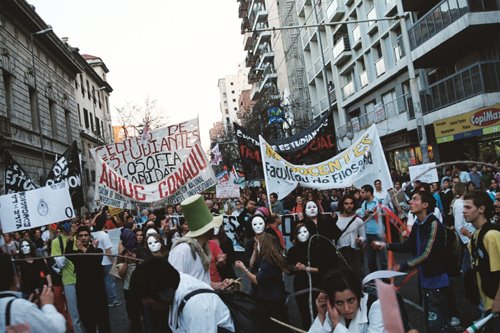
(90, 288)
(427, 243)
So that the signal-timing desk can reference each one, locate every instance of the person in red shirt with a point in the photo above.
(273, 223)
(218, 258)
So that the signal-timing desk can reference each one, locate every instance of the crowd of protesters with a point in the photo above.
(337, 238)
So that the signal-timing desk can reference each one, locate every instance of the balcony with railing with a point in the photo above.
(248, 41)
(356, 36)
(327, 54)
(372, 25)
(389, 111)
(348, 90)
(480, 78)
(243, 8)
(442, 16)
(363, 78)
(335, 11)
(264, 37)
(318, 66)
(380, 67)
(333, 96)
(341, 51)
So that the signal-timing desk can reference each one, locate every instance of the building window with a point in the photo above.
(234, 99)
(53, 120)
(88, 90)
(33, 109)
(86, 118)
(97, 126)
(93, 175)
(7, 84)
(67, 119)
(235, 109)
(232, 83)
(92, 122)
(87, 173)
(79, 115)
(102, 128)
(82, 86)
(110, 132)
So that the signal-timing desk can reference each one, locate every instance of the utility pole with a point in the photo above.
(415, 94)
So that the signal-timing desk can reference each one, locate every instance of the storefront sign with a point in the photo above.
(475, 123)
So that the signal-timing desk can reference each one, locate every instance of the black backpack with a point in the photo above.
(247, 314)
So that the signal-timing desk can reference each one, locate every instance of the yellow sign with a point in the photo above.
(468, 122)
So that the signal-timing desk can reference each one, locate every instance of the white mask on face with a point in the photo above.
(303, 235)
(311, 209)
(153, 245)
(258, 224)
(25, 248)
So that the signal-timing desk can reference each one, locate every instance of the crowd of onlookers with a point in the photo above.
(337, 236)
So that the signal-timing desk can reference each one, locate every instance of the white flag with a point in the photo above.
(216, 155)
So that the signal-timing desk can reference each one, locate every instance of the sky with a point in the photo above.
(171, 51)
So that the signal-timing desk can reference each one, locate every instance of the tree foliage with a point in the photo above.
(133, 117)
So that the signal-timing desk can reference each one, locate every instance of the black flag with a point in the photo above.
(67, 168)
(16, 179)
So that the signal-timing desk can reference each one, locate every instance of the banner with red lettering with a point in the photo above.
(312, 145)
(166, 168)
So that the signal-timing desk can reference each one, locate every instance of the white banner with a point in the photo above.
(360, 164)
(35, 208)
(166, 169)
(429, 177)
(227, 191)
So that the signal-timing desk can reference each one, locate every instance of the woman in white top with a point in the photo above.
(345, 308)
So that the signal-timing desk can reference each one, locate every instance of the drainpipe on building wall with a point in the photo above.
(415, 94)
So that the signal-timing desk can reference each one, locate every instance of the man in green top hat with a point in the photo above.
(191, 254)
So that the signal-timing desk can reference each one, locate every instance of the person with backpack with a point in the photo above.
(427, 245)
(16, 312)
(345, 307)
(484, 249)
(160, 285)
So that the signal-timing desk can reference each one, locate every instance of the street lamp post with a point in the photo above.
(35, 87)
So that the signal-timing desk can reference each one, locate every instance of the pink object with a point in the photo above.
(390, 307)
(262, 211)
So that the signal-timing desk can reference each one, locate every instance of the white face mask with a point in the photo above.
(311, 209)
(25, 248)
(153, 244)
(303, 235)
(258, 224)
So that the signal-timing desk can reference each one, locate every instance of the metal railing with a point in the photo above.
(389, 110)
(442, 15)
(480, 78)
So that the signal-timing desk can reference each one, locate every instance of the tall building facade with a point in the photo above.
(94, 116)
(265, 58)
(364, 70)
(230, 88)
(38, 114)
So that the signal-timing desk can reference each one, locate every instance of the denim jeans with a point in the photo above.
(70, 293)
(436, 313)
(110, 284)
(375, 259)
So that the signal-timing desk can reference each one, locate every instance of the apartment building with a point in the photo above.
(38, 118)
(268, 73)
(230, 89)
(361, 70)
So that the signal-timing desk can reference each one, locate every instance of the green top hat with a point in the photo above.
(198, 217)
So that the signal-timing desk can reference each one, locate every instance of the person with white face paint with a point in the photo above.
(155, 245)
(32, 270)
(297, 258)
(322, 232)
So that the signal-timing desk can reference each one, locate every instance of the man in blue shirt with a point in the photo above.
(375, 231)
(426, 243)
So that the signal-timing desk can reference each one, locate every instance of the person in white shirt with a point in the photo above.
(353, 233)
(161, 286)
(105, 245)
(191, 254)
(14, 310)
(381, 195)
(345, 308)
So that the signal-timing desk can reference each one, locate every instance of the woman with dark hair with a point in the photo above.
(226, 271)
(344, 307)
(268, 277)
(272, 227)
(303, 265)
(321, 229)
(34, 270)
